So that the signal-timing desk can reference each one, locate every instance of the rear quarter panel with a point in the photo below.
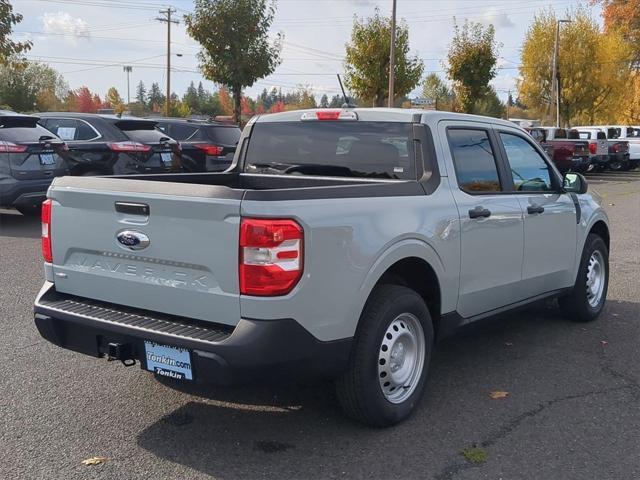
(349, 244)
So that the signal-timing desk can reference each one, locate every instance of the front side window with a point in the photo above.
(474, 160)
(530, 171)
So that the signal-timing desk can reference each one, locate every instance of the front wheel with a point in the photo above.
(589, 294)
(390, 358)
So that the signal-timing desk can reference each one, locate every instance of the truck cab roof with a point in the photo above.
(402, 115)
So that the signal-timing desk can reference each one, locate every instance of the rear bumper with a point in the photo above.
(24, 193)
(255, 351)
(580, 164)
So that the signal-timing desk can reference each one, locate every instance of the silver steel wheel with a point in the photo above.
(596, 275)
(401, 358)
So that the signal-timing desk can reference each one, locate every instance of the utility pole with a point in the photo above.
(392, 55)
(128, 70)
(167, 18)
(555, 80)
(508, 102)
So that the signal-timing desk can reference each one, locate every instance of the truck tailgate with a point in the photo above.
(190, 265)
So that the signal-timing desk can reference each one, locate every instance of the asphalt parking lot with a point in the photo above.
(573, 409)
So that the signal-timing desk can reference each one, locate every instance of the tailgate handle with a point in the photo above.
(133, 208)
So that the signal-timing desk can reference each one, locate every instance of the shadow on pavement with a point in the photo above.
(14, 224)
(299, 432)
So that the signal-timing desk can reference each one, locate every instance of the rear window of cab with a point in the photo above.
(332, 148)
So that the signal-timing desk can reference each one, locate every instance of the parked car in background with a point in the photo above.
(206, 146)
(628, 134)
(598, 147)
(569, 154)
(619, 155)
(30, 157)
(112, 145)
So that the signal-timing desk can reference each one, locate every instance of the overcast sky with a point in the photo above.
(89, 41)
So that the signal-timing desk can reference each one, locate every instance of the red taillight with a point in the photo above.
(215, 150)
(271, 260)
(616, 147)
(593, 148)
(46, 231)
(9, 147)
(129, 147)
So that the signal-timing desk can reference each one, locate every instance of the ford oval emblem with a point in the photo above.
(132, 240)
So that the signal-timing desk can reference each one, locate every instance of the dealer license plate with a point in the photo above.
(47, 159)
(166, 157)
(166, 361)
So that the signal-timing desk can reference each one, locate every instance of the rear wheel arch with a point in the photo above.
(419, 275)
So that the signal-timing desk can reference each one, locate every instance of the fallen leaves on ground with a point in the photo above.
(498, 394)
(94, 461)
(475, 455)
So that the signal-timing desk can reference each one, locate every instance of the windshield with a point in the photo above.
(345, 149)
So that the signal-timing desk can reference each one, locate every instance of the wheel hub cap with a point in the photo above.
(401, 358)
(595, 278)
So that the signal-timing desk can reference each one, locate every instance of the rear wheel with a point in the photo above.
(390, 358)
(589, 294)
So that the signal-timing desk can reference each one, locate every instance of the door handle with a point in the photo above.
(531, 209)
(479, 212)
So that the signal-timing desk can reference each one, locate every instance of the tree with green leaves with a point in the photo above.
(8, 48)
(141, 93)
(436, 89)
(28, 86)
(155, 98)
(490, 105)
(234, 38)
(336, 101)
(472, 59)
(367, 60)
(191, 99)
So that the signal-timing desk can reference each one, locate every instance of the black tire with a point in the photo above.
(358, 389)
(616, 166)
(576, 305)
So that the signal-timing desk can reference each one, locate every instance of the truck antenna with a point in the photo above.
(344, 95)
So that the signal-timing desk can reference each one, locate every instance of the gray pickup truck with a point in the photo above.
(339, 244)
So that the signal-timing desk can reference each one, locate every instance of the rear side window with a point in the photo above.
(602, 136)
(70, 129)
(223, 135)
(348, 149)
(24, 134)
(474, 160)
(143, 132)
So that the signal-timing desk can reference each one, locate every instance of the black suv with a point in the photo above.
(112, 145)
(30, 156)
(206, 146)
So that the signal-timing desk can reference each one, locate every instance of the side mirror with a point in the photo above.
(574, 183)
